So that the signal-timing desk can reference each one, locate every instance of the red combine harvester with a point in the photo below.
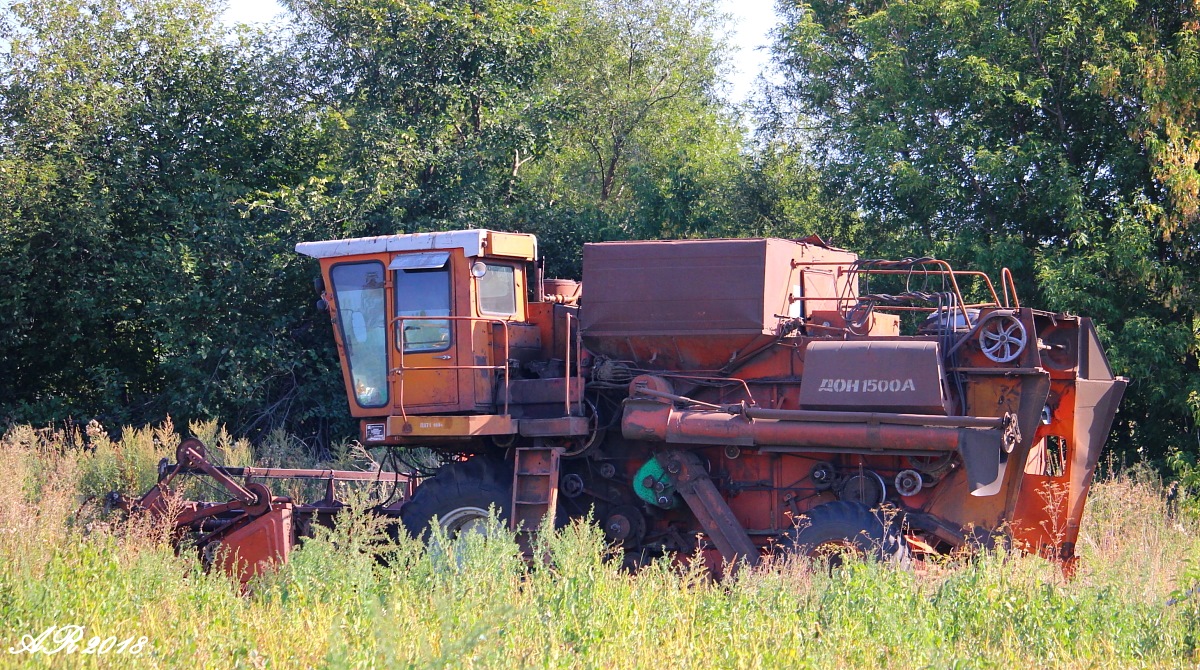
(731, 397)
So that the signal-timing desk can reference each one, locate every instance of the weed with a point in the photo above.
(474, 602)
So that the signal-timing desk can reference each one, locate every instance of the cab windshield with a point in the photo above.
(359, 292)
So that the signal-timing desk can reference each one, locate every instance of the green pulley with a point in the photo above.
(652, 484)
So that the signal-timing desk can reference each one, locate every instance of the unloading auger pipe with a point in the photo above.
(752, 412)
(981, 441)
(876, 417)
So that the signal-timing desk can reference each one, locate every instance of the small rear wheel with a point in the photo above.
(459, 496)
(837, 529)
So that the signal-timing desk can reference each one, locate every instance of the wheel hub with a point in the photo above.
(464, 520)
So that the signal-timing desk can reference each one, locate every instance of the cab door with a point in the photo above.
(500, 331)
(425, 350)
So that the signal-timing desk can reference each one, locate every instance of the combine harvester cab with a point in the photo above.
(754, 393)
(450, 341)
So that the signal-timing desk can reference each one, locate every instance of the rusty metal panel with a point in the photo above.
(555, 427)
(888, 376)
(1096, 403)
(543, 391)
(672, 287)
(819, 283)
(1093, 364)
(693, 304)
(261, 545)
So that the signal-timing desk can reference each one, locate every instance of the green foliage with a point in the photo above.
(634, 78)
(1058, 139)
(474, 601)
(133, 131)
(433, 108)
(156, 169)
(129, 464)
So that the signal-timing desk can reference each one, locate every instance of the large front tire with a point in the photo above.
(459, 496)
(836, 529)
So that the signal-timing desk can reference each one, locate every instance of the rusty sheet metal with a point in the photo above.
(550, 391)
(886, 376)
(261, 545)
(555, 426)
(692, 482)
(1096, 404)
(690, 304)
(675, 287)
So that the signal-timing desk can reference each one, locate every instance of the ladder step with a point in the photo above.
(535, 486)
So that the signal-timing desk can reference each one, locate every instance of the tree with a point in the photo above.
(137, 282)
(629, 68)
(1057, 138)
(644, 145)
(435, 108)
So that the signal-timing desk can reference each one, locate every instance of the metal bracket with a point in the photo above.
(692, 482)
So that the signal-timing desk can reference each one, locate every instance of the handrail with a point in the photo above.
(705, 378)
(567, 365)
(1006, 279)
(953, 274)
(944, 270)
(401, 367)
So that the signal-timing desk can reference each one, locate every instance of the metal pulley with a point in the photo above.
(823, 476)
(625, 524)
(571, 486)
(908, 482)
(1002, 337)
(652, 484)
(865, 487)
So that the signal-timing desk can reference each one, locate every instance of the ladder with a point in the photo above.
(535, 489)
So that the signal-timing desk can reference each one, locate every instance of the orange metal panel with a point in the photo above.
(511, 245)
(259, 546)
(451, 426)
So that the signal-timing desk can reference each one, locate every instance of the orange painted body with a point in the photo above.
(671, 392)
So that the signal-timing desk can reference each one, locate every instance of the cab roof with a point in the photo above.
(473, 243)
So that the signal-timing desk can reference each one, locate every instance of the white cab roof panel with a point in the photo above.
(472, 242)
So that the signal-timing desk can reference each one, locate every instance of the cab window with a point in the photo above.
(359, 294)
(498, 290)
(422, 293)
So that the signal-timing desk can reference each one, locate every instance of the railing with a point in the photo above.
(942, 269)
(398, 323)
(578, 337)
(1006, 279)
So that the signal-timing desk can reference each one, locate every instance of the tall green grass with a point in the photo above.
(474, 602)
